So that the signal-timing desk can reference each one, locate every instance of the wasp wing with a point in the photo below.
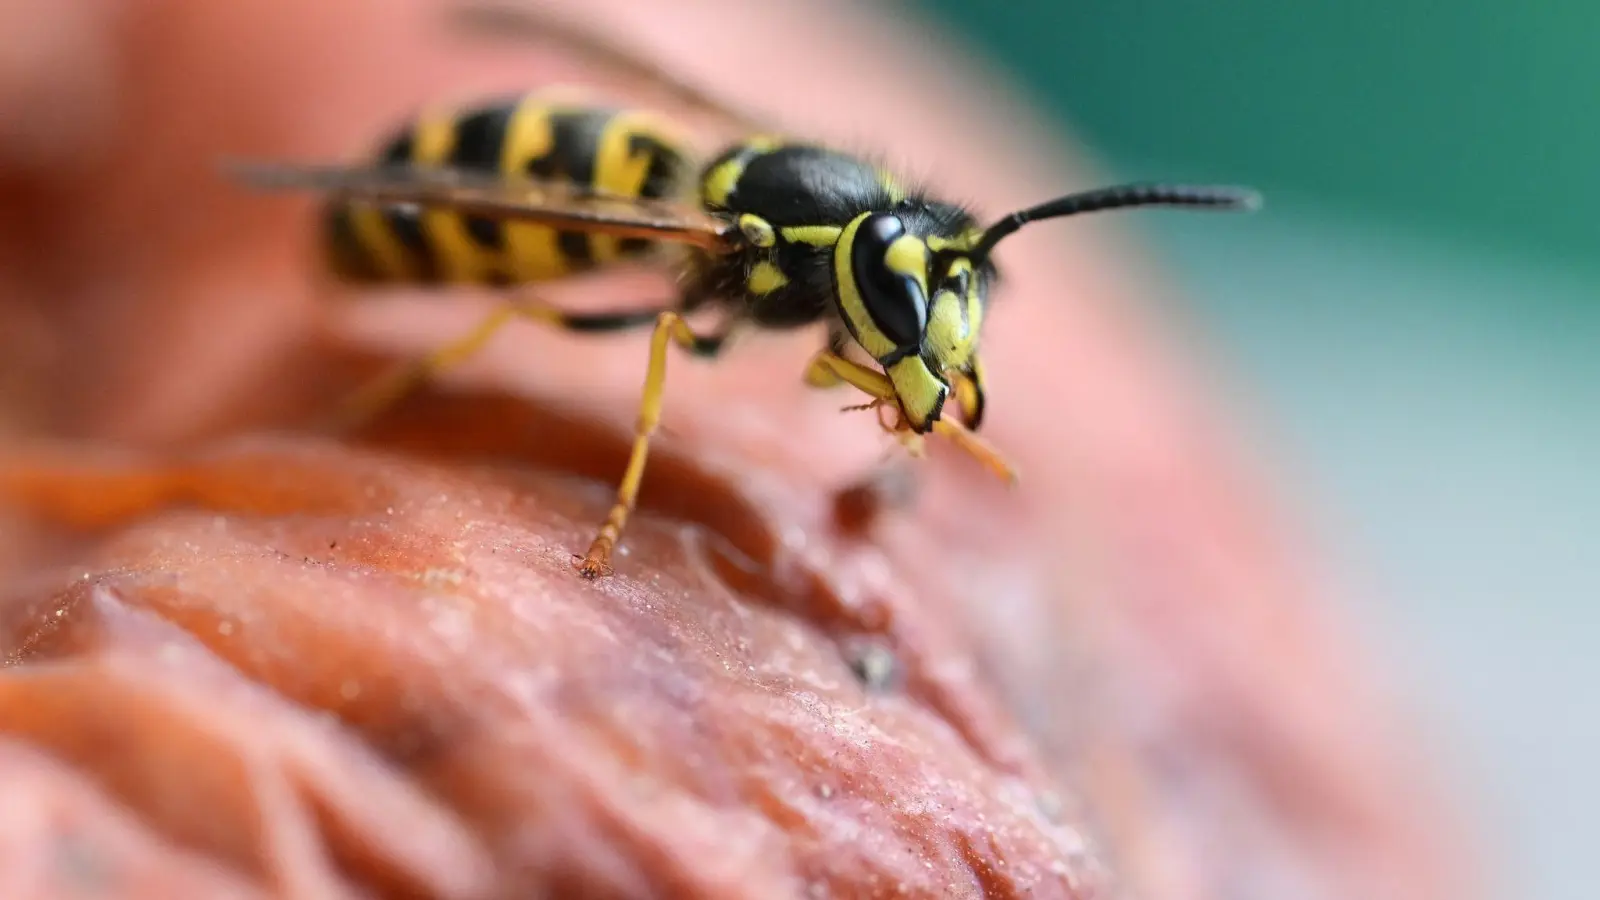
(557, 204)
(524, 22)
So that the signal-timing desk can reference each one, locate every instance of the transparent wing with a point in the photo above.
(525, 21)
(557, 204)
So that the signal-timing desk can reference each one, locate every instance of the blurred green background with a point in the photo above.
(1477, 120)
(1413, 325)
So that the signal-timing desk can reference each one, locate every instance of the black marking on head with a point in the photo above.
(895, 301)
(957, 282)
(963, 284)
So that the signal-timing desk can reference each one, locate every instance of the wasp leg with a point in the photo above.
(670, 329)
(828, 368)
(389, 388)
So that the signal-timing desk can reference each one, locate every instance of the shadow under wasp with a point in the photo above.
(772, 233)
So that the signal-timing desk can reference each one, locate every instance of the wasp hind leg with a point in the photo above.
(670, 329)
(388, 388)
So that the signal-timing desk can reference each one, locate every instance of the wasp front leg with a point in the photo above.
(828, 368)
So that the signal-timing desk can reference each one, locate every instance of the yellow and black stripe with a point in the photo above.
(771, 233)
(626, 154)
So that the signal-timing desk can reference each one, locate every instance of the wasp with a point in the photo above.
(771, 233)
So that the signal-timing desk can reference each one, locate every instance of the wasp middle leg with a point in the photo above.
(670, 329)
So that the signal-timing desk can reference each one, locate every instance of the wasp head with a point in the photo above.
(913, 299)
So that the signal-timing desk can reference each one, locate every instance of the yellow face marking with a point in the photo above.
(962, 242)
(920, 393)
(533, 252)
(757, 231)
(974, 315)
(765, 278)
(950, 338)
(947, 338)
(855, 309)
(908, 256)
(813, 235)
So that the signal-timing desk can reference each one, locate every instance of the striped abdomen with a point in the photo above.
(620, 152)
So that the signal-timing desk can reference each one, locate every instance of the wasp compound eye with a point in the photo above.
(890, 267)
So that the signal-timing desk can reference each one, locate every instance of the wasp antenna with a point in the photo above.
(1200, 196)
